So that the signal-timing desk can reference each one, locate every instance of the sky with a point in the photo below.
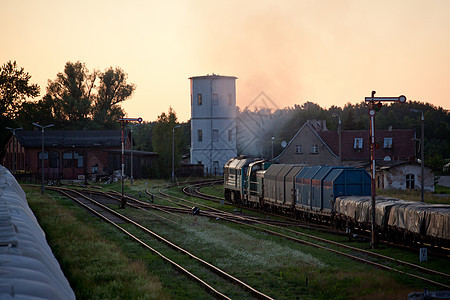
(330, 52)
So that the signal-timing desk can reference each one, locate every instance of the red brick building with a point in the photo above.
(73, 154)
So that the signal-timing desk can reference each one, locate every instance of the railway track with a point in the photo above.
(185, 206)
(357, 254)
(99, 207)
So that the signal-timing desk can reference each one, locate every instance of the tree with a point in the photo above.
(162, 142)
(112, 90)
(71, 95)
(14, 89)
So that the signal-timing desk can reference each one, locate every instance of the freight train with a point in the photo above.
(340, 196)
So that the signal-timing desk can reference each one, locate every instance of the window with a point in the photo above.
(67, 159)
(230, 99)
(387, 143)
(215, 135)
(230, 135)
(199, 135)
(53, 160)
(298, 149)
(199, 99)
(358, 143)
(215, 99)
(410, 181)
(314, 149)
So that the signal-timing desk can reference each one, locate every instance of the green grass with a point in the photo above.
(440, 189)
(415, 195)
(98, 261)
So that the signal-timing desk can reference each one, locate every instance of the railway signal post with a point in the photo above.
(375, 103)
(123, 122)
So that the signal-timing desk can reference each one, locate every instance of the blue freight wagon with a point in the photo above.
(344, 182)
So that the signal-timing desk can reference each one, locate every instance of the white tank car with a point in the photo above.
(28, 268)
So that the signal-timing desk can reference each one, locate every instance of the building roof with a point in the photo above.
(312, 128)
(403, 144)
(71, 138)
(213, 76)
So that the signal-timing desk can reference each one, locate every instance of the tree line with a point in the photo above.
(78, 98)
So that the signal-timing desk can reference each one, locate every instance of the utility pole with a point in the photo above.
(272, 146)
(124, 121)
(422, 152)
(42, 153)
(340, 137)
(373, 107)
(173, 152)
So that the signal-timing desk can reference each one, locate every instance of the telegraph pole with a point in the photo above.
(375, 103)
(123, 122)
(42, 152)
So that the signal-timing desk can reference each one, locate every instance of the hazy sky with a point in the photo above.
(326, 51)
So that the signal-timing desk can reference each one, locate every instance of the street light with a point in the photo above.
(272, 146)
(13, 130)
(173, 152)
(340, 138)
(124, 121)
(42, 152)
(422, 151)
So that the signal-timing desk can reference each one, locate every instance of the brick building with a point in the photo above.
(73, 154)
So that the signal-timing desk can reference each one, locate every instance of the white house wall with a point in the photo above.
(395, 178)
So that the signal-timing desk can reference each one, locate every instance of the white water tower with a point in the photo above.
(213, 121)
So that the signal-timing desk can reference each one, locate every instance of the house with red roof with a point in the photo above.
(395, 150)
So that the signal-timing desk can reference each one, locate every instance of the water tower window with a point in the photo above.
(215, 99)
(199, 135)
(199, 99)
(230, 99)
(230, 135)
(215, 135)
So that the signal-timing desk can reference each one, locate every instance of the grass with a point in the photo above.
(101, 263)
(415, 195)
(96, 259)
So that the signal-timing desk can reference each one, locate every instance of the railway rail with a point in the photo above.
(116, 219)
(377, 260)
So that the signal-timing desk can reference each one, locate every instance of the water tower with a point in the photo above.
(213, 121)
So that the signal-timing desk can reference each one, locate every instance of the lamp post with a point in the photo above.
(42, 152)
(422, 151)
(272, 146)
(13, 130)
(124, 121)
(173, 152)
(340, 137)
